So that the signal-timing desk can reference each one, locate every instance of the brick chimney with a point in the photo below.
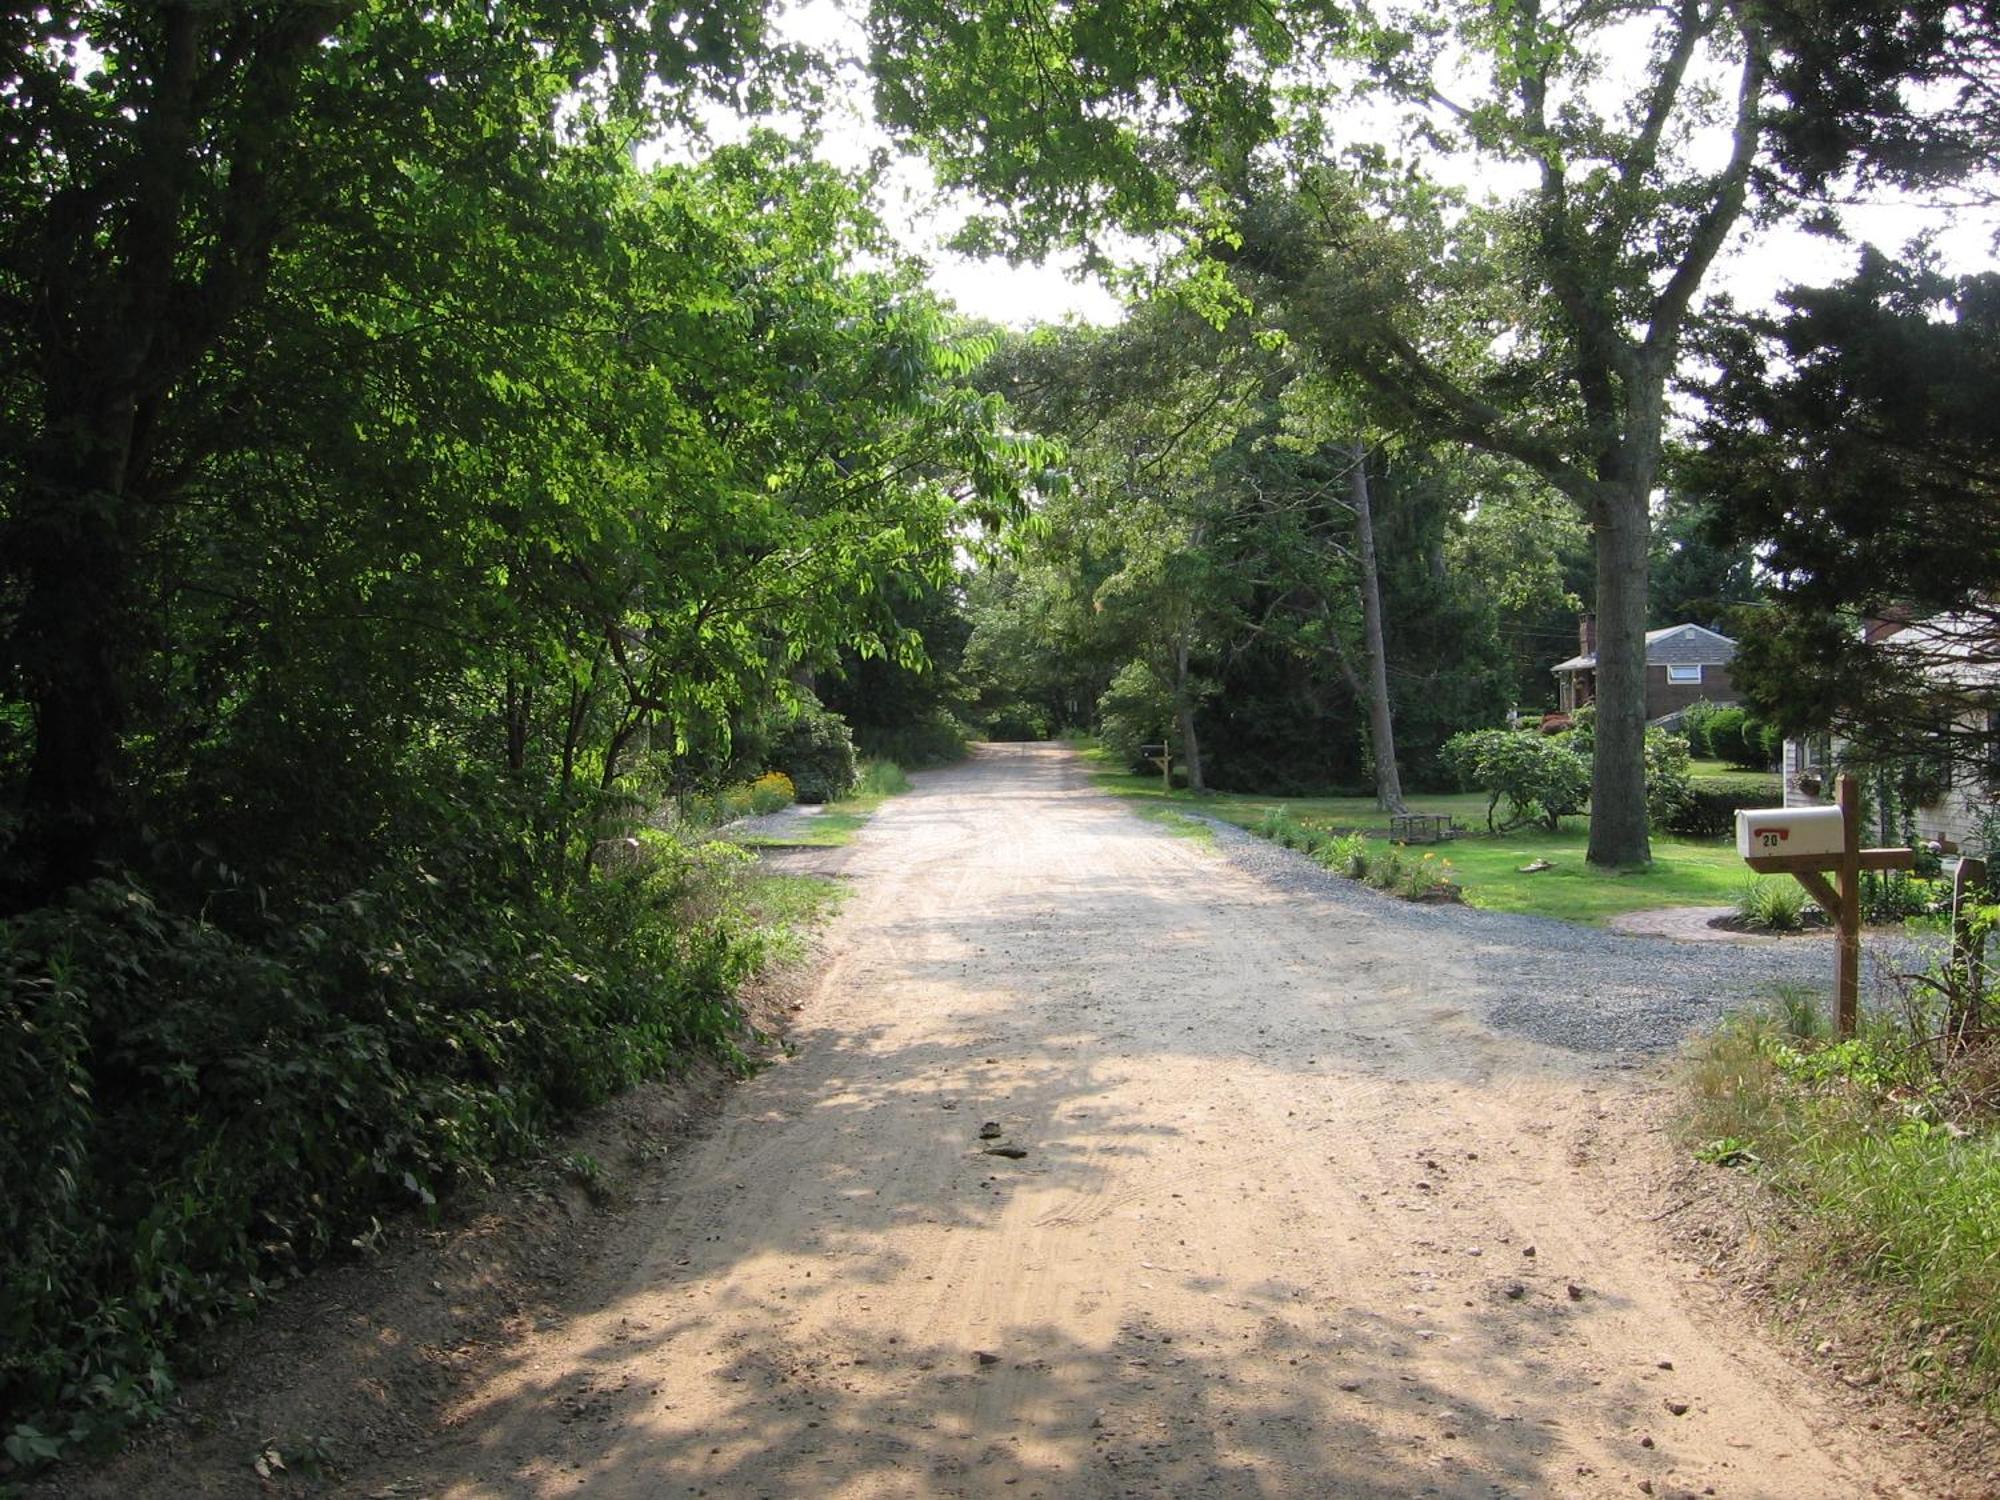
(1586, 634)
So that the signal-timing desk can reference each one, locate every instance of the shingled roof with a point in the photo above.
(1672, 646)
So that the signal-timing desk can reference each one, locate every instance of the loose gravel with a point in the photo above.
(1583, 988)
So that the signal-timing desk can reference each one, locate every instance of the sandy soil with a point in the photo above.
(1289, 1222)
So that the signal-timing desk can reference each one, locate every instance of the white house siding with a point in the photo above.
(1791, 764)
(1953, 820)
(1956, 819)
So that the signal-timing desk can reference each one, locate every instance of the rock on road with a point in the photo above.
(1291, 1220)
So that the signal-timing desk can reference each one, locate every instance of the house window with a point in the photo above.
(1685, 674)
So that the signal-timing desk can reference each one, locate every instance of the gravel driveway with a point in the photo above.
(1584, 988)
(1101, 1167)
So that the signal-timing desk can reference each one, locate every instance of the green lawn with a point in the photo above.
(1243, 808)
(835, 826)
(1704, 769)
(1683, 872)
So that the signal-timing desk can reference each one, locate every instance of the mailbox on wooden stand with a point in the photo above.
(1809, 844)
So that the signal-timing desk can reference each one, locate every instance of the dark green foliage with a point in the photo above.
(1741, 738)
(203, 203)
(1697, 722)
(1770, 745)
(1709, 809)
(1036, 638)
(1852, 440)
(401, 492)
(1895, 91)
(199, 1112)
(910, 705)
(937, 739)
(1724, 733)
(1135, 711)
(1693, 576)
(1224, 562)
(817, 751)
(1280, 725)
(1893, 896)
(1542, 779)
(1016, 720)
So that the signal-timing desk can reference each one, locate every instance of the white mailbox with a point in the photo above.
(1767, 831)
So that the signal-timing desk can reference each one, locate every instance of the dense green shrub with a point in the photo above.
(1540, 777)
(1892, 897)
(1132, 712)
(936, 739)
(1770, 745)
(1724, 734)
(1743, 739)
(880, 778)
(1883, 1149)
(1274, 824)
(1346, 855)
(769, 793)
(772, 792)
(1546, 778)
(1696, 720)
(194, 1112)
(1387, 872)
(1708, 810)
(1668, 782)
(1017, 720)
(1281, 827)
(817, 752)
(1426, 879)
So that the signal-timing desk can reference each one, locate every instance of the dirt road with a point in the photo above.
(1289, 1222)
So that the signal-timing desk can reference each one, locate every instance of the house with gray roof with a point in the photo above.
(1684, 664)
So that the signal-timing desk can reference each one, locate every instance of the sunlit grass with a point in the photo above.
(838, 822)
(1889, 1169)
(1178, 824)
(1245, 808)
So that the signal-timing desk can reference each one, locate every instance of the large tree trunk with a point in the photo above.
(72, 645)
(120, 316)
(1618, 768)
(1184, 719)
(1381, 721)
(73, 530)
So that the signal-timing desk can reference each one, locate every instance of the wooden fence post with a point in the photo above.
(1968, 949)
(1847, 966)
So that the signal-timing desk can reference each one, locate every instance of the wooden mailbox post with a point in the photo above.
(1761, 838)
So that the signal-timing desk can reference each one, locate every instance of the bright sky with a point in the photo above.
(1759, 264)
(920, 215)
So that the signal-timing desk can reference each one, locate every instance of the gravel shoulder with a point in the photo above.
(1316, 1194)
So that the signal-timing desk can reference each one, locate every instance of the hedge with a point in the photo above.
(1712, 803)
